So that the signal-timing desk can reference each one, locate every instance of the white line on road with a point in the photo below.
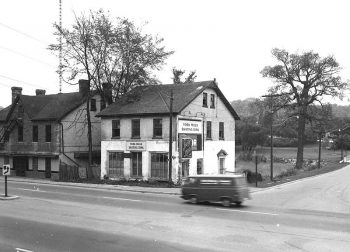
(32, 190)
(23, 250)
(120, 199)
(231, 210)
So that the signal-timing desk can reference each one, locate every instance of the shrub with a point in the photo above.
(252, 176)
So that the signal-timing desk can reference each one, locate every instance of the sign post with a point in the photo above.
(6, 172)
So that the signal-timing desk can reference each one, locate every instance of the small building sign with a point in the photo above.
(136, 146)
(190, 127)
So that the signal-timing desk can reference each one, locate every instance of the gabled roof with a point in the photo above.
(46, 107)
(155, 99)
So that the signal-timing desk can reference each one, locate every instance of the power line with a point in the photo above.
(24, 34)
(26, 56)
(24, 82)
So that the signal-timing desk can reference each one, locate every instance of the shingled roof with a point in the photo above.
(154, 99)
(46, 107)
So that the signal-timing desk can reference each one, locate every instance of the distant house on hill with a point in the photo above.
(135, 132)
(43, 133)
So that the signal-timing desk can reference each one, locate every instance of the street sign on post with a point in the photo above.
(6, 170)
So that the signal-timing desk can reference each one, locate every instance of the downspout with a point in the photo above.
(62, 143)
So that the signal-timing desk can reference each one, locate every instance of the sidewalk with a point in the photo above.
(140, 189)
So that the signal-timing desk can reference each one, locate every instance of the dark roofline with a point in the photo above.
(209, 84)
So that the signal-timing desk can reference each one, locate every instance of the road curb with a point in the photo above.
(9, 197)
(95, 186)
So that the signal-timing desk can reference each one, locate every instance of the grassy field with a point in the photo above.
(329, 161)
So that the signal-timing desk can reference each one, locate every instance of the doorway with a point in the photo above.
(185, 168)
(47, 167)
(20, 164)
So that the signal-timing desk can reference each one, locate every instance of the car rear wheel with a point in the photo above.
(238, 203)
(193, 200)
(226, 202)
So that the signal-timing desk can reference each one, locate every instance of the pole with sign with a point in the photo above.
(6, 172)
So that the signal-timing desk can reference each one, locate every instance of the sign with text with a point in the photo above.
(190, 127)
(136, 146)
(6, 171)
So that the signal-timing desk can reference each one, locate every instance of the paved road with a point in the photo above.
(308, 215)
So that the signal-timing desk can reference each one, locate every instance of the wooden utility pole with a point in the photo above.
(171, 138)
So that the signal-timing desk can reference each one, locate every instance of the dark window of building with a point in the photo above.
(199, 142)
(208, 129)
(135, 128)
(222, 165)
(221, 131)
(205, 100)
(35, 133)
(199, 165)
(102, 104)
(47, 167)
(212, 101)
(48, 133)
(116, 164)
(116, 128)
(35, 163)
(136, 159)
(20, 133)
(93, 104)
(6, 160)
(157, 128)
(159, 165)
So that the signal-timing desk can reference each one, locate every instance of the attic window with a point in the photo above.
(200, 87)
(205, 100)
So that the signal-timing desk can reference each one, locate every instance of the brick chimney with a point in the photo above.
(40, 92)
(16, 91)
(107, 92)
(84, 87)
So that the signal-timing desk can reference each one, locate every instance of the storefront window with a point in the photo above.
(116, 164)
(159, 165)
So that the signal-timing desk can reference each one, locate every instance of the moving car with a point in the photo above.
(226, 189)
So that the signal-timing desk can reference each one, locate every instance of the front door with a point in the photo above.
(47, 167)
(185, 168)
(20, 164)
(136, 159)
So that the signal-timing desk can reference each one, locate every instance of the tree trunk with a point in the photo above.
(301, 137)
(89, 168)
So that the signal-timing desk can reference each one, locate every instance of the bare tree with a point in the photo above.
(302, 80)
(103, 50)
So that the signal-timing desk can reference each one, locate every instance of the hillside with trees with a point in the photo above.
(254, 127)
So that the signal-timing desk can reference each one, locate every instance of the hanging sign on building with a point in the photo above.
(190, 127)
(136, 146)
(186, 148)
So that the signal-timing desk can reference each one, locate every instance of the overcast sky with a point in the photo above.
(225, 39)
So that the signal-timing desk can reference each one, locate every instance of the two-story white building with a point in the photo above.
(135, 132)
